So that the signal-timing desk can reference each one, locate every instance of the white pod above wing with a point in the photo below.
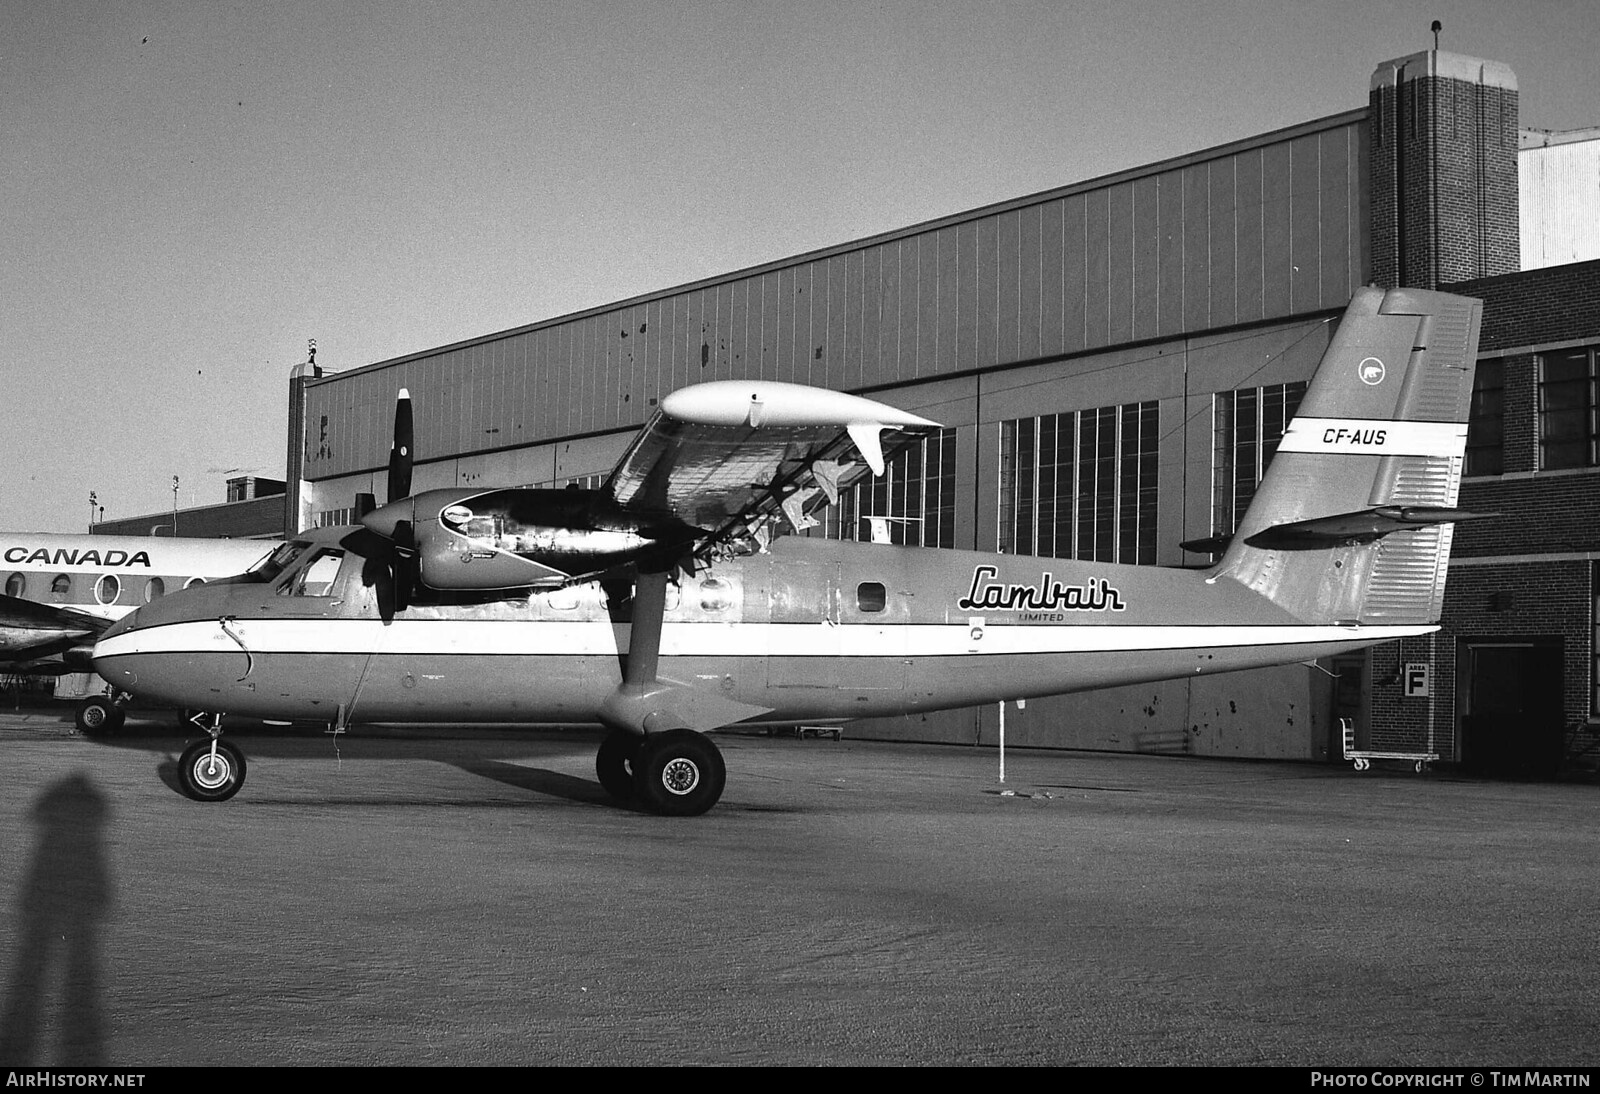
(770, 404)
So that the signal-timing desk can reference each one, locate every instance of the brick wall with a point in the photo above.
(1545, 600)
(1553, 304)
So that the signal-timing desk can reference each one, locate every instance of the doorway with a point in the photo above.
(1512, 716)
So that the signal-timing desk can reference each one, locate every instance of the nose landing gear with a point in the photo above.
(212, 770)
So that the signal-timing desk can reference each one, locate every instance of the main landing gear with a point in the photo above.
(211, 770)
(677, 773)
(99, 715)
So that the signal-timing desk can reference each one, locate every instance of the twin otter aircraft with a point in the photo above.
(662, 605)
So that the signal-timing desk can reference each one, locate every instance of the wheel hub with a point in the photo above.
(680, 776)
(212, 771)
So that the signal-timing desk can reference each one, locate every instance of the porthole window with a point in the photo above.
(193, 581)
(715, 594)
(871, 596)
(107, 589)
(17, 585)
(154, 589)
(61, 587)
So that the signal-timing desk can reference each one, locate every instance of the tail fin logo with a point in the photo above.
(1372, 372)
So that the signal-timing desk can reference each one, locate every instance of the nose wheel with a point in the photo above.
(211, 770)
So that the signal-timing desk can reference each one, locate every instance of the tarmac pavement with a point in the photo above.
(407, 897)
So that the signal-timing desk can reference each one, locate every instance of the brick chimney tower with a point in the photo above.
(1442, 134)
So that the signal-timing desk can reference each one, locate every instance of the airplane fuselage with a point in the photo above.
(52, 583)
(814, 630)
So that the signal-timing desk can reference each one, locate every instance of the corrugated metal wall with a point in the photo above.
(1262, 229)
(1560, 207)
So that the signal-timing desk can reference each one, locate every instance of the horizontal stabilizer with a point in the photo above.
(1363, 526)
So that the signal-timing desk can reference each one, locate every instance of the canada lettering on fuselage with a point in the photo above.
(1041, 602)
(64, 556)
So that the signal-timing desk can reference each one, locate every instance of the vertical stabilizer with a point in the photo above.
(1351, 522)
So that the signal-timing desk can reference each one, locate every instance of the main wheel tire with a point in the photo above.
(211, 778)
(679, 773)
(614, 763)
(98, 716)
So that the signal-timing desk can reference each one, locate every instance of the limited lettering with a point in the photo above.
(1048, 595)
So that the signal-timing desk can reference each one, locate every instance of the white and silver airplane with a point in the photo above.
(61, 591)
(667, 602)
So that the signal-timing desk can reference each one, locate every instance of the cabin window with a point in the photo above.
(61, 587)
(17, 585)
(913, 501)
(1081, 484)
(715, 594)
(1247, 426)
(871, 596)
(107, 589)
(314, 577)
(564, 599)
(154, 589)
(193, 581)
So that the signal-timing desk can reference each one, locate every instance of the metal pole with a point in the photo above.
(1002, 740)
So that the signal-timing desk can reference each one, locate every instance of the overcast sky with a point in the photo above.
(189, 191)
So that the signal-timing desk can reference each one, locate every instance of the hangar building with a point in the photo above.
(1114, 362)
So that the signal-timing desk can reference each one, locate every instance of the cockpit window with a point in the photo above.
(268, 569)
(314, 576)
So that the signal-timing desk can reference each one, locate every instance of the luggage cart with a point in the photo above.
(1362, 759)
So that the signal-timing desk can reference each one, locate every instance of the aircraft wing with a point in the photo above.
(727, 457)
(29, 630)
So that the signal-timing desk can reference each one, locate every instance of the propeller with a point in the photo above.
(394, 521)
(400, 448)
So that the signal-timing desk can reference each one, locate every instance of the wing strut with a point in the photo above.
(645, 702)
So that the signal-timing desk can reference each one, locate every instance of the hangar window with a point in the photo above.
(107, 589)
(1486, 421)
(871, 596)
(1081, 484)
(333, 518)
(1567, 427)
(61, 587)
(913, 501)
(1247, 426)
(17, 585)
(154, 589)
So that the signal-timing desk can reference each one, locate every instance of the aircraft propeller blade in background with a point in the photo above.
(399, 534)
(400, 448)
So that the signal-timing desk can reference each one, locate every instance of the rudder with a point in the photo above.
(1351, 523)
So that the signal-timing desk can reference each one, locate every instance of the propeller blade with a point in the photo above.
(404, 564)
(400, 450)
